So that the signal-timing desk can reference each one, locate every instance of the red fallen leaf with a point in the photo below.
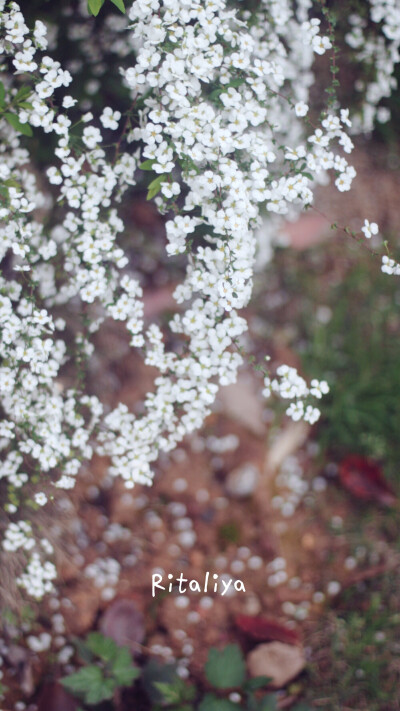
(263, 628)
(55, 698)
(124, 623)
(364, 479)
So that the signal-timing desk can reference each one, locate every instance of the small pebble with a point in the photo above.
(181, 602)
(174, 550)
(350, 563)
(202, 496)
(206, 602)
(255, 562)
(319, 483)
(193, 617)
(333, 587)
(237, 566)
(318, 597)
(244, 552)
(180, 634)
(221, 562)
(180, 484)
(187, 649)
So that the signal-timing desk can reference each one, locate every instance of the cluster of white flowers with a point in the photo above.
(105, 574)
(291, 385)
(220, 127)
(389, 266)
(380, 51)
(38, 577)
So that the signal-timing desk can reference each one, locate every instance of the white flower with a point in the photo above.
(110, 118)
(319, 388)
(321, 44)
(68, 101)
(369, 229)
(301, 109)
(40, 498)
(296, 410)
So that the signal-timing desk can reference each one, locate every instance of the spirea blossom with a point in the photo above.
(219, 127)
(369, 229)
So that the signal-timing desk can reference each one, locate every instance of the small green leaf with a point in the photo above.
(170, 692)
(155, 186)
(122, 668)
(80, 681)
(14, 121)
(176, 692)
(257, 683)
(89, 684)
(2, 95)
(236, 82)
(84, 653)
(11, 183)
(120, 5)
(225, 669)
(213, 703)
(147, 164)
(22, 94)
(268, 703)
(215, 94)
(101, 646)
(154, 672)
(95, 6)
(25, 105)
(102, 692)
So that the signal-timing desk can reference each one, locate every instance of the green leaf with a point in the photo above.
(103, 691)
(11, 183)
(84, 653)
(176, 692)
(101, 646)
(257, 683)
(215, 94)
(120, 5)
(122, 668)
(2, 95)
(170, 692)
(147, 164)
(213, 703)
(154, 672)
(14, 121)
(155, 186)
(80, 681)
(89, 684)
(236, 82)
(268, 703)
(22, 94)
(94, 6)
(25, 105)
(225, 669)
